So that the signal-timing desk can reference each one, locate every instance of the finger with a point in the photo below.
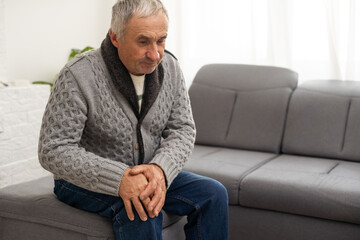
(155, 199)
(137, 170)
(139, 209)
(160, 205)
(146, 204)
(129, 211)
(157, 202)
(149, 190)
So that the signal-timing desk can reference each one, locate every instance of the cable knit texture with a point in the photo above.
(89, 130)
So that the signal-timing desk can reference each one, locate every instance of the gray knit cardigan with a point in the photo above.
(89, 133)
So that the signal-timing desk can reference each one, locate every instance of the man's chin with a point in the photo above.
(149, 70)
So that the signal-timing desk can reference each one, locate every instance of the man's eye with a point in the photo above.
(161, 41)
(143, 42)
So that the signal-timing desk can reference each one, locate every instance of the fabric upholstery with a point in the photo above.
(324, 122)
(228, 166)
(308, 186)
(246, 77)
(335, 87)
(323, 188)
(241, 106)
(259, 224)
(32, 209)
(258, 120)
(211, 126)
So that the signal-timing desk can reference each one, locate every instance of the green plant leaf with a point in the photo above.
(73, 53)
(87, 49)
(76, 51)
(44, 83)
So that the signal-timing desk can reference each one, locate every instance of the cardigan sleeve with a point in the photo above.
(178, 135)
(59, 148)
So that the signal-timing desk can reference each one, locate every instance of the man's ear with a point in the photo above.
(114, 39)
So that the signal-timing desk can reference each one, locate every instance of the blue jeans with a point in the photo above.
(203, 200)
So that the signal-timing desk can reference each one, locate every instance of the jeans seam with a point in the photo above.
(197, 207)
(118, 220)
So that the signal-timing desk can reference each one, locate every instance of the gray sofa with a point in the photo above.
(288, 156)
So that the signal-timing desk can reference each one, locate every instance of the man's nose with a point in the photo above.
(153, 54)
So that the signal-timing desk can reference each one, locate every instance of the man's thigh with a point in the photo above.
(83, 199)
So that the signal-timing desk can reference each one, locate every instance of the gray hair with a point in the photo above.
(124, 10)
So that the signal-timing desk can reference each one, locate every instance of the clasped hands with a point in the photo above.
(143, 186)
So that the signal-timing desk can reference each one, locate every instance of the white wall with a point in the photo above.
(2, 44)
(40, 34)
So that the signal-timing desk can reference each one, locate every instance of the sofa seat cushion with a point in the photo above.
(228, 166)
(323, 188)
(34, 205)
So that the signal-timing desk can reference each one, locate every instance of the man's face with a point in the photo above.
(143, 45)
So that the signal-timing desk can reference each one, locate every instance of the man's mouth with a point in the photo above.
(150, 63)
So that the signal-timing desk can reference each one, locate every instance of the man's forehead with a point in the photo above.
(150, 35)
(148, 31)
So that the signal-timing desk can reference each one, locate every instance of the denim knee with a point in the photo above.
(124, 228)
(219, 192)
(216, 192)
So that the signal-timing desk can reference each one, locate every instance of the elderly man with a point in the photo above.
(118, 129)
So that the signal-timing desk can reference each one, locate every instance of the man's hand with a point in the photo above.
(131, 187)
(155, 190)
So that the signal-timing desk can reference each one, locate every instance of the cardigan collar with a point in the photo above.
(122, 80)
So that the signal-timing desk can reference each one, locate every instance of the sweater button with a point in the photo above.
(137, 146)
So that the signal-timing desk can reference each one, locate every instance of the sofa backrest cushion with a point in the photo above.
(241, 106)
(324, 120)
